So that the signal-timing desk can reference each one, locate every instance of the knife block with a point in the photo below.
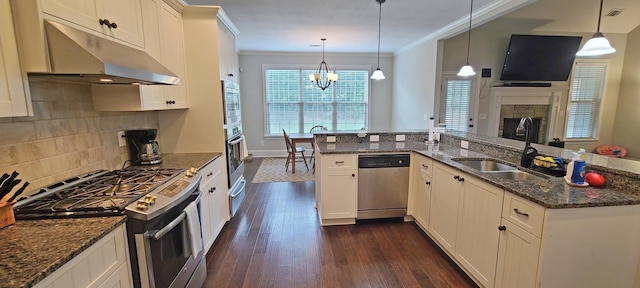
(6, 215)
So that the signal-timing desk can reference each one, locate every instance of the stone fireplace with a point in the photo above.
(512, 113)
(542, 103)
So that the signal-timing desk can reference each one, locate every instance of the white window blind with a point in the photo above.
(295, 104)
(457, 107)
(584, 103)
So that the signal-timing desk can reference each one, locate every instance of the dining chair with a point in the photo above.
(292, 154)
(313, 151)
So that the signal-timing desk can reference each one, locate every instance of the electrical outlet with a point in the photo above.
(464, 144)
(374, 138)
(331, 138)
(121, 140)
(400, 137)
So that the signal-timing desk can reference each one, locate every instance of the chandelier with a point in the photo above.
(323, 77)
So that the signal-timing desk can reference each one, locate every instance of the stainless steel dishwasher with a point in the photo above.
(383, 186)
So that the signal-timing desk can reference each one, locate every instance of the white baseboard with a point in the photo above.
(268, 153)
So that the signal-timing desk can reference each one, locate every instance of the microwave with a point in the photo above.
(231, 103)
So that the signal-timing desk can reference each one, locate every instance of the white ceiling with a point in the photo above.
(352, 25)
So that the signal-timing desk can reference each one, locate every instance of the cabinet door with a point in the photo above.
(339, 194)
(445, 197)
(517, 257)
(228, 55)
(119, 279)
(215, 202)
(423, 201)
(477, 237)
(13, 99)
(172, 51)
(127, 14)
(82, 12)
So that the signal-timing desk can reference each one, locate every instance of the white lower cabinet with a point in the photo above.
(420, 193)
(338, 197)
(215, 201)
(517, 257)
(477, 236)
(103, 264)
(445, 206)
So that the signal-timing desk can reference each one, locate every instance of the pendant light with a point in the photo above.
(377, 75)
(323, 69)
(597, 45)
(467, 70)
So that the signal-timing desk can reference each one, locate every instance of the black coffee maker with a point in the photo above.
(143, 147)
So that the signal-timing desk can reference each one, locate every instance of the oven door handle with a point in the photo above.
(239, 190)
(235, 141)
(157, 234)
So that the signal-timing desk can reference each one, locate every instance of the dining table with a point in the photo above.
(297, 138)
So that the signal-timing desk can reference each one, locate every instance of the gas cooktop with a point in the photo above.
(98, 193)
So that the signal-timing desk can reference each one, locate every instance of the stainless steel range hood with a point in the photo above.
(78, 56)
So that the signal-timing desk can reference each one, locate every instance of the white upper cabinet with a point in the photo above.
(227, 50)
(14, 95)
(118, 19)
(164, 40)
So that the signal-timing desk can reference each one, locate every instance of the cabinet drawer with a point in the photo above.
(211, 170)
(524, 213)
(424, 165)
(341, 161)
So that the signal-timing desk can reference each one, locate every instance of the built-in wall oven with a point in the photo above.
(234, 144)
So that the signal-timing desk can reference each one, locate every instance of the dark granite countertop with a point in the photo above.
(188, 160)
(550, 192)
(30, 250)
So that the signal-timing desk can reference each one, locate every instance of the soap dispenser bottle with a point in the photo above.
(578, 167)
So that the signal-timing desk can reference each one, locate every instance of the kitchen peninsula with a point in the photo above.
(531, 232)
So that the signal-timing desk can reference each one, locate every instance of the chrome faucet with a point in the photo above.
(528, 153)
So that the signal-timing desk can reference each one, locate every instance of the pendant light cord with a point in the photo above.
(600, 15)
(469, 33)
(379, 28)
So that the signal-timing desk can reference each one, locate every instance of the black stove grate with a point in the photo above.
(103, 195)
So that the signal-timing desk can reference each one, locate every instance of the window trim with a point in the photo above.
(265, 67)
(606, 63)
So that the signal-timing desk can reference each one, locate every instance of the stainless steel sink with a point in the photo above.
(514, 175)
(487, 165)
(497, 169)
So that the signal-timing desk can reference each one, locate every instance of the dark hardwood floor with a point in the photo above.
(275, 240)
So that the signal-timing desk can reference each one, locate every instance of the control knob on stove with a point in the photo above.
(142, 205)
(150, 199)
(192, 172)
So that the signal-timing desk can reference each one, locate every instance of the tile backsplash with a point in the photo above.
(65, 137)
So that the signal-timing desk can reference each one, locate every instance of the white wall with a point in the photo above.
(252, 94)
(488, 48)
(415, 85)
(626, 130)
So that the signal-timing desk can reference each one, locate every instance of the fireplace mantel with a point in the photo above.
(552, 96)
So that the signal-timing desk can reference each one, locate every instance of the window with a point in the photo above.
(583, 111)
(295, 104)
(458, 104)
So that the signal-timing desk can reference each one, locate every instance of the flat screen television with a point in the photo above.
(539, 58)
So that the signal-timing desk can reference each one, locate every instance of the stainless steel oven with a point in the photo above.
(235, 168)
(163, 225)
(168, 248)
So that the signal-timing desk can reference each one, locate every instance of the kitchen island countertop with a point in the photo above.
(550, 192)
